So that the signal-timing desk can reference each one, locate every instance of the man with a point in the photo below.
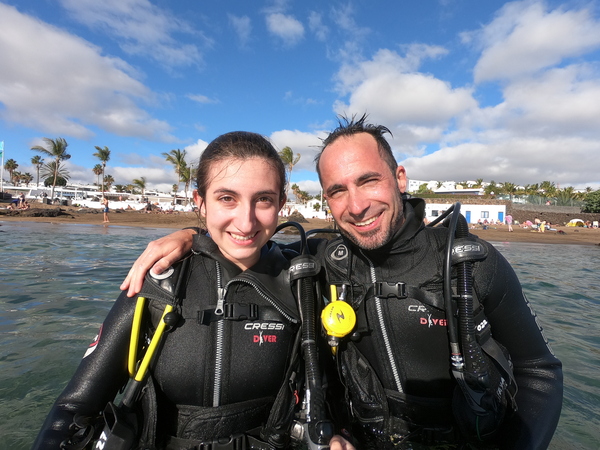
(396, 364)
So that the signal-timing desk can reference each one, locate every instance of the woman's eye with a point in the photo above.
(226, 199)
(265, 200)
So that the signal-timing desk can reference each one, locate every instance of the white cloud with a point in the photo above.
(140, 28)
(315, 24)
(388, 88)
(199, 98)
(242, 27)
(60, 84)
(306, 144)
(565, 161)
(194, 151)
(312, 187)
(525, 38)
(285, 27)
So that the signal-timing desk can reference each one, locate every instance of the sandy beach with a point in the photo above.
(74, 215)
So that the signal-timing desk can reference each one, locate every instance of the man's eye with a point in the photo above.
(265, 200)
(226, 199)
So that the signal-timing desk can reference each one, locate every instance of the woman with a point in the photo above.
(234, 324)
(105, 209)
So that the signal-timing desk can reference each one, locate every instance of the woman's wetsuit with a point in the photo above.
(405, 340)
(215, 375)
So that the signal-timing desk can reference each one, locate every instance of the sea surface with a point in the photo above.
(59, 281)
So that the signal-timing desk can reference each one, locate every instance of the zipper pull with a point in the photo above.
(220, 301)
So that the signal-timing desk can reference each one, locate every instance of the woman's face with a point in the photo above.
(241, 207)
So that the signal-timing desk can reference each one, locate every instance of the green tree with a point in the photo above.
(509, 188)
(186, 177)
(548, 189)
(10, 165)
(289, 160)
(57, 149)
(54, 176)
(103, 154)
(140, 183)
(423, 189)
(15, 177)
(491, 188)
(26, 178)
(97, 171)
(107, 181)
(177, 158)
(591, 204)
(38, 162)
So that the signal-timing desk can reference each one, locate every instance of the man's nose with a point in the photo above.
(358, 203)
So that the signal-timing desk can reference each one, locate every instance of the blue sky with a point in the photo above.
(504, 91)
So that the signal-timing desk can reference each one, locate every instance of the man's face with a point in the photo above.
(363, 193)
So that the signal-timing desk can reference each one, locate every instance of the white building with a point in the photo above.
(473, 213)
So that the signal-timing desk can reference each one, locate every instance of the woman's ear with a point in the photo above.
(199, 201)
(282, 202)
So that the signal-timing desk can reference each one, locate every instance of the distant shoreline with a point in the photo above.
(174, 221)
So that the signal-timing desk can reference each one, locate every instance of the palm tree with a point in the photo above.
(55, 173)
(509, 188)
(140, 183)
(10, 165)
(97, 171)
(289, 160)
(103, 154)
(26, 178)
(37, 161)
(107, 181)
(15, 177)
(177, 158)
(57, 149)
(186, 177)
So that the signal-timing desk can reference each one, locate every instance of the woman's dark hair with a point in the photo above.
(238, 145)
(348, 127)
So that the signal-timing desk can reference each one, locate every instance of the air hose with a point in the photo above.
(313, 428)
(480, 403)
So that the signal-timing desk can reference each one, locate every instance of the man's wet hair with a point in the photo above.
(351, 126)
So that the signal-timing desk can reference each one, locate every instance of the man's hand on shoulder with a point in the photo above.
(158, 257)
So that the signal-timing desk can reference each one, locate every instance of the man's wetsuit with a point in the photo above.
(214, 377)
(405, 340)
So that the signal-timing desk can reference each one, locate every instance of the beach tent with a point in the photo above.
(575, 223)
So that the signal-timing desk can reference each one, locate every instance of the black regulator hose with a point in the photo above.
(476, 367)
(304, 269)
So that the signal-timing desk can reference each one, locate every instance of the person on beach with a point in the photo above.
(509, 221)
(105, 209)
(232, 332)
(398, 383)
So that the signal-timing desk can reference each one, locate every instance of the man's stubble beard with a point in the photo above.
(383, 240)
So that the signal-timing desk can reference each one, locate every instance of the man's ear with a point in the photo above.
(199, 201)
(401, 178)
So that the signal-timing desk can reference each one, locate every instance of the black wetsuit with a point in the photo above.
(405, 340)
(208, 368)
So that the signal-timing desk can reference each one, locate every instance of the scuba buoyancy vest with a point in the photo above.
(242, 331)
(395, 364)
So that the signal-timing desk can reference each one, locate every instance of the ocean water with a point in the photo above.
(59, 281)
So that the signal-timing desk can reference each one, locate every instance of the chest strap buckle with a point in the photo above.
(240, 311)
(384, 289)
